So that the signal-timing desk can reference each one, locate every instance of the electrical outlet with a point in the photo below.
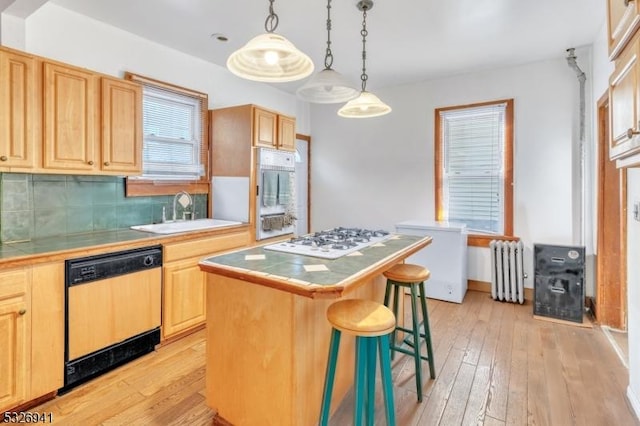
(636, 211)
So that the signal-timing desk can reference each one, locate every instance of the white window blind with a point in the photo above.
(172, 127)
(473, 143)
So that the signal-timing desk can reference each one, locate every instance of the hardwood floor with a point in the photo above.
(496, 365)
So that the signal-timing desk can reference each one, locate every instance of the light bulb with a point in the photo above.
(364, 107)
(271, 57)
(328, 88)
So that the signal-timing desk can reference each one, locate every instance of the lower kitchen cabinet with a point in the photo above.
(31, 333)
(184, 296)
(15, 315)
(184, 284)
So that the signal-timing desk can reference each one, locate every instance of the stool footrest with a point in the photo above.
(408, 330)
(407, 351)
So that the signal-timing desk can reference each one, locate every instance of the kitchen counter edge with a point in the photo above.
(315, 291)
(130, 239)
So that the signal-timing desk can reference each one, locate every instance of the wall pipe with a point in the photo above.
(582, 78)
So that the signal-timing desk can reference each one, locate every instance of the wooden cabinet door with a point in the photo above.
(286, 133)
(70, 122)
(47, 328)
(14, 338)
(121, 126)
(265, 128)
(19, 111)
(184, 297)
(623, 97)
(623, 21)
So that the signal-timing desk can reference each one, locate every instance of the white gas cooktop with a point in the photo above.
(332, 243)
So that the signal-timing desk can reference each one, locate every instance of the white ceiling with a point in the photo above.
(409, 40)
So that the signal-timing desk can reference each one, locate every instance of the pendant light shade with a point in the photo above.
(367, 104)
(328, 86)
(364, 106)
(270, 57)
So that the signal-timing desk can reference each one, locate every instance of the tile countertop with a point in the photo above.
(311, 276)
(86, 244)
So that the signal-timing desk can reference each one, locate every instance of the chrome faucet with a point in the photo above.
(185, 200)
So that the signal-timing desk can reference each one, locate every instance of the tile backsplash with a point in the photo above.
(36, 205)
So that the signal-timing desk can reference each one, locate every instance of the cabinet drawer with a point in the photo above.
(205, 246)
(14, 283)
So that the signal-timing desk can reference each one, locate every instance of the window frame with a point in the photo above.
(149, 187)
(477, 239)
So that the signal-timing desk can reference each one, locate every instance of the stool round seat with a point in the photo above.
(361, 317)
(407, 273)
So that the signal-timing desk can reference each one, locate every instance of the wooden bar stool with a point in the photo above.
(406, 275)
(371, 323)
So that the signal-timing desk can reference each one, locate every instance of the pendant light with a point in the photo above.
(270, 57)
(328, 86)
(366, 104)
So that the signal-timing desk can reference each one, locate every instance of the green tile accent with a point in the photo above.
(49, 178)
(79, 220)
(105, 218)
(129, 215)
(16, 195)
(79, 193)
(104, 193)
(49, 194)
(16, 226)
(50, 222)
(45, 205)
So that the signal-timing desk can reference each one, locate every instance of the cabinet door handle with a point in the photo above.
(22, 311)
(90, 163)
(631, 133)
(106, 163)
(626, 2)
(3, 158)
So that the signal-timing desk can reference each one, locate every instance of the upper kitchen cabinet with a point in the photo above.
(70, 118)
(19, 111)
(234, 130)
(624, 103)
(623, 21)
(286, 133)
(273, 130)
(121, 126)
(92, 123)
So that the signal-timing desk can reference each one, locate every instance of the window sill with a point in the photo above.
(481, 240)
(141, 188)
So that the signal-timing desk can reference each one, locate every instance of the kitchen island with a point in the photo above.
(267, 332)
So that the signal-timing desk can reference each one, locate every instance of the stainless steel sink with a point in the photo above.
(174, 227)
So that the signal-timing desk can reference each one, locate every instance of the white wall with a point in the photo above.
(60, 34)
(633, 289)
(377, 172)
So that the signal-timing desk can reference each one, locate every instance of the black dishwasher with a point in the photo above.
(112, 311)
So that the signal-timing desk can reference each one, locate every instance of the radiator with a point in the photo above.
(507, 274)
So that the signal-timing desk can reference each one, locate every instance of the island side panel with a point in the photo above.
(249, 365)
(267, 352)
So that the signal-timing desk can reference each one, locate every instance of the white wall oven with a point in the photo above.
(275, 204)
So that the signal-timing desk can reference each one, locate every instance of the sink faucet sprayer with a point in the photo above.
(185, 200)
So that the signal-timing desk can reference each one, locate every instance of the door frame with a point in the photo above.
(609, 310)
(307, 138)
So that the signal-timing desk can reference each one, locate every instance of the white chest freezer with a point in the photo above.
(445, 257)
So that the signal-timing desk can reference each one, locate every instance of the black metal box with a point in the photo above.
(559, 282)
